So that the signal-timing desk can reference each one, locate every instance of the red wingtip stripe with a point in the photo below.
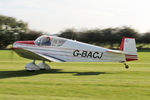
(25, 42)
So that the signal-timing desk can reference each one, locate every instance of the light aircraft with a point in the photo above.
(57, 49)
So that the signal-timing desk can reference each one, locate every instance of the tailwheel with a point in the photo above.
(126, 66)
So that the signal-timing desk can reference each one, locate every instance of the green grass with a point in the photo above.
(75, 81)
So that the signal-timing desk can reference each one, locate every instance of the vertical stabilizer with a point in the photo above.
(128, 46)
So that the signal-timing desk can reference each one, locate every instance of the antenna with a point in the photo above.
(72, 36)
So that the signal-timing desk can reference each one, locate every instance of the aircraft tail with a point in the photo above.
(128, 46)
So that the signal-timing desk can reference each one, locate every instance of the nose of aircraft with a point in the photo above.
(18, 44)
(13, 46)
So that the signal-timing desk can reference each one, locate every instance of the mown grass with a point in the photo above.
(74, 81)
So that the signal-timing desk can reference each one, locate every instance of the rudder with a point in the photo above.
(128, 46)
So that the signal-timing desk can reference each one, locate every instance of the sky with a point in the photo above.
(53, 16)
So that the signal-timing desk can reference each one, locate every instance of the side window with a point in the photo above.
(57, 42)
(54, 42)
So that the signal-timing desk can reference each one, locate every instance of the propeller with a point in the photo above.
(11, 52)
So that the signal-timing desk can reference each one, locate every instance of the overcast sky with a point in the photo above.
(54, 16)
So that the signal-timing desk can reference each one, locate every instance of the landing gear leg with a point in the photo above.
(126, 66)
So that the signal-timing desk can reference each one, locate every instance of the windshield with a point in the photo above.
(49, 41)
(43, 41)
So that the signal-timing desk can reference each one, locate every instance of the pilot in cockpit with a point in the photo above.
(47, 41)
(43, 41)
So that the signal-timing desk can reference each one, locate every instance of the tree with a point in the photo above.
(12, 30)
(90, 36)
(145, 38)
(30, 35)
(109, 36)
(125, 32)
(9, 27)
(69, 33)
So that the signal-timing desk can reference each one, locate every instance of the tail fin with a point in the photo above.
(128, 46)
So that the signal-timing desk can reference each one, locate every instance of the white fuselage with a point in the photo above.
(74, 51)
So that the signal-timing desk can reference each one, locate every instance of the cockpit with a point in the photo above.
(49, 41)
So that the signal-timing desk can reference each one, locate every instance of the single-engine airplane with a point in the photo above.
(57, 49)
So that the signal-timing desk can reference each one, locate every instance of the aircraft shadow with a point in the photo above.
(24, 73)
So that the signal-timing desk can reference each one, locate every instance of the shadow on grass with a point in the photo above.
(24, 73)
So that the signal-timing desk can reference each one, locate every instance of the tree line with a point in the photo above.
(109, 36)
(12, 30)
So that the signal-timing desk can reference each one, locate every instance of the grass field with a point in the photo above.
(75, 81)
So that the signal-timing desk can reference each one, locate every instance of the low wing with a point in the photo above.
(34, 55)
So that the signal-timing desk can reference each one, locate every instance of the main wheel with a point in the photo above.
(43, 66)
(31, 67)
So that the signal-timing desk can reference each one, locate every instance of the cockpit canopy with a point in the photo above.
(49, 41)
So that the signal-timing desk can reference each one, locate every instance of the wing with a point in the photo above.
(35, 55)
